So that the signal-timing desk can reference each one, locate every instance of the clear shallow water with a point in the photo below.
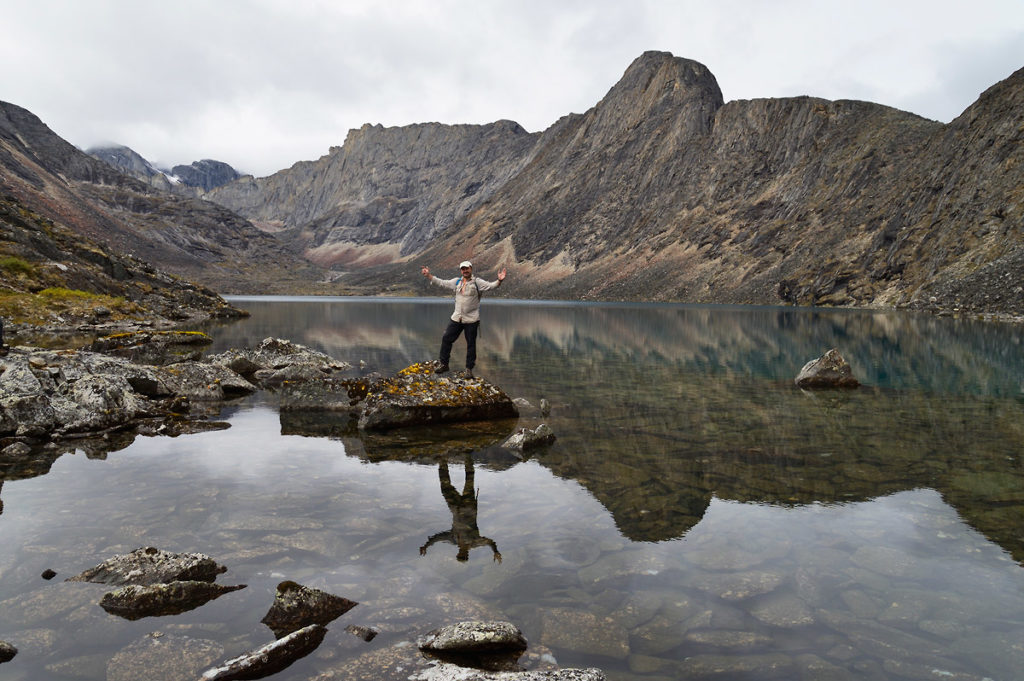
(698, 517)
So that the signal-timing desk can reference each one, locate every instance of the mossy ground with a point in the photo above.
(60, 305)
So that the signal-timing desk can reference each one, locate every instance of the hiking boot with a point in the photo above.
(468, 373)
(443, 369)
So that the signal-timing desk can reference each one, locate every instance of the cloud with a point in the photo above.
(266, 83)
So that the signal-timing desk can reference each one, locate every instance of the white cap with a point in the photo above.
(465, 263)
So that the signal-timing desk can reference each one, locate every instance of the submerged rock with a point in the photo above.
(134, 601)
(830, 370)
(7, 651)
(365, 633)
(149, 565)
(417, 396)
(451, 672)
(163, 656)
(296, 606)
(525, 439)
(270, 658)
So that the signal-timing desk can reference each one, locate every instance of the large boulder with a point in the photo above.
(474, 636)
(417, 395)
(276, 361)
(830, 370)
(7, 651)
(201, 381)
(150, 565)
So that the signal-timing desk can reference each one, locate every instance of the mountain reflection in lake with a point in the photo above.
(698, 517)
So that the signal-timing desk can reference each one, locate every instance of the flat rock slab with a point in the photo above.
(132, 339)
(149, 565)
(418, 396)
(296, 606)
(270, 658)
(134, 601)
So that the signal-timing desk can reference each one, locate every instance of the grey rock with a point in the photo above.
(325, 395)
(526, 439)
(203, 381)
(149, 565)
(474, 636)
(296, 606)
(16, 449)
(271, 658)
(830, 370)
(135, 601)
(276, 361)
(7, 651)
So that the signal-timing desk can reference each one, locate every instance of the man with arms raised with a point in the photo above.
(466, 317)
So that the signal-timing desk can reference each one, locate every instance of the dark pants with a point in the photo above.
(450, 336)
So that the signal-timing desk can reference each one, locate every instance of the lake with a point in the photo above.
(698, 516)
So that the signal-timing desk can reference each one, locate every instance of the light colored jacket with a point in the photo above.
(467, 296)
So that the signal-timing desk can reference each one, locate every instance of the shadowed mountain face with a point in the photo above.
(199, 240)
(796, 200)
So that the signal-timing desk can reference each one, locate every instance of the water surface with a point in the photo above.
(698, 517)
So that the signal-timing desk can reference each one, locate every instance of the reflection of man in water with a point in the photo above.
(464, 533)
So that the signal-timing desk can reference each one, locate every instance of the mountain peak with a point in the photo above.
(657, 83)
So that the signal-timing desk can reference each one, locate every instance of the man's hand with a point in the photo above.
(426, 272)
(501, 274)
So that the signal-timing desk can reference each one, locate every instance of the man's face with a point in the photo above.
(467, 271)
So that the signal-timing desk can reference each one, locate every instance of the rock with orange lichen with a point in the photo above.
(417, 396)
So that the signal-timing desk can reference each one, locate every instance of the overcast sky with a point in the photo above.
(262, 84)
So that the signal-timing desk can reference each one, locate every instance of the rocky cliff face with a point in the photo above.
(130, 162)
(206, 174)
(796, 200)
(386, 193)
(197, 239)
(662, 191)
